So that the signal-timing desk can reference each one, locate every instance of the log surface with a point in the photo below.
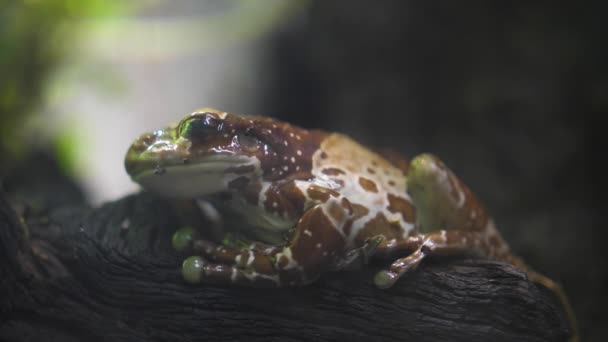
(72, 273)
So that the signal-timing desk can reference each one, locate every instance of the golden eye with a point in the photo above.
(248, 142)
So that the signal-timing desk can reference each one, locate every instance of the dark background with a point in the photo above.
(510, 95)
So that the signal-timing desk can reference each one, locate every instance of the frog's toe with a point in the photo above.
(182, 239)
(192, 269)
(385, 279)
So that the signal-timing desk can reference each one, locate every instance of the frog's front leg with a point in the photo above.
(229, 254)
(315, 243)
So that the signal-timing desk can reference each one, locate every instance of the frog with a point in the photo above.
(308, 201)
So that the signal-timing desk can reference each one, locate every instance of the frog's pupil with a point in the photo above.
(199, 127)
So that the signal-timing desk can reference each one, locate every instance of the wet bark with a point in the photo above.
(72, 273)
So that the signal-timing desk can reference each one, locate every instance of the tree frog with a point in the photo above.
(309, 201)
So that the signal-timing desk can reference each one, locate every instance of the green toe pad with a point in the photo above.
(192, 269)
(384, 279)
(182, 239)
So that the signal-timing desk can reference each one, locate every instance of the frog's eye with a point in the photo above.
(198, 126)
(248, 142)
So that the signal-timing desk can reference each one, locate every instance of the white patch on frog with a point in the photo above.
(247, 161)
(192, 180)
(166, 146)
(490, 232)
(253, 275)
(333, 202)
(444, 184)
(250, 259)
(344, 154)
(321, 180)
(303, 187)
(461, 197)
(291, 263)
(262, 195)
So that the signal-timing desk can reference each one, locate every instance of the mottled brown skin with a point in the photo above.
(333, 200)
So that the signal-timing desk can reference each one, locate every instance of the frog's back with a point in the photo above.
(374, 186)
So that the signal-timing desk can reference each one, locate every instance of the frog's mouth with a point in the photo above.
(168, 168)
(204, 177)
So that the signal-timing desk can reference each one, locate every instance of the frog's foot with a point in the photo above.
(356, 258)
(260, 272)
(271, 267)
(439, 243)
(238, 263)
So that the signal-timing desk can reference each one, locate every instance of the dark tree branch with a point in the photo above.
(109, 274)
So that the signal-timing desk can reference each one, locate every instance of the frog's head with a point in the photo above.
(211, 151)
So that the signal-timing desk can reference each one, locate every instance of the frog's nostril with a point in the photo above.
(142, 143)
(147, 138)
(138, 147)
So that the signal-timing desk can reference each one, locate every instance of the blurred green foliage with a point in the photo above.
(36, 36)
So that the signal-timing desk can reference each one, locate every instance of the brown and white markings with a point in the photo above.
(336, 201)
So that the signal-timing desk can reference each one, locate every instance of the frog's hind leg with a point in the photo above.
(442, 242)
(453, 221)
(450, 218)
(442, 200)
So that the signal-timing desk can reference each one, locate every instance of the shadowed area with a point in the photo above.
(72, 273)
